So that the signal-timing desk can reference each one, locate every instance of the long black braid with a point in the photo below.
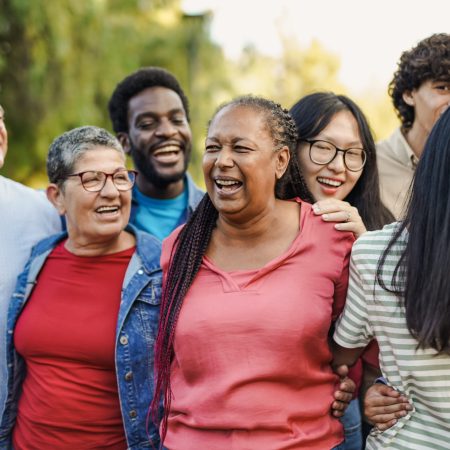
(192, 242)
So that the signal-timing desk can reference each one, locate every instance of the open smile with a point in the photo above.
(227, 185)
(169, 153)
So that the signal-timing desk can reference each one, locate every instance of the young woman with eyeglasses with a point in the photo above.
(336, 153)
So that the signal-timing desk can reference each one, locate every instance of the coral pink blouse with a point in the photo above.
(252, 365)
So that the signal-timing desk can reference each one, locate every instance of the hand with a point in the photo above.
(346, 215)
(344, 394)
(383, 405)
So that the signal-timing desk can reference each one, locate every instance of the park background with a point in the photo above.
(61, 59)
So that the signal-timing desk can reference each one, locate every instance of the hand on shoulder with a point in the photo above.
(346, 216)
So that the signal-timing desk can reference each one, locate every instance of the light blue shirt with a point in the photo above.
(159, 217)
(26, 218)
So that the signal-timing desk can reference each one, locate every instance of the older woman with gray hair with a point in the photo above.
(83, 318)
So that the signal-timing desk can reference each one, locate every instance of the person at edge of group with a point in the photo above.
(399, 292)
(27, 217)
(150, 115)
(337, 158)
(420, 91)
(83, 319)
(250, 366)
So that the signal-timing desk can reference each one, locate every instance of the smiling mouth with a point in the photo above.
(330, 183)
(227, 186)
(107, 210)
(168, 154)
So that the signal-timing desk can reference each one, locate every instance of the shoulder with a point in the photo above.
(147, 245)
(315, 227)
(378, 238)
(194, 192)
(168, 247)
(49, 243)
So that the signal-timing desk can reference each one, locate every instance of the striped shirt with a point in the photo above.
(421, 374)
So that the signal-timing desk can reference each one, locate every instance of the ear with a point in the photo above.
(408, 98)
(55, 196)
(283, 157)
(124, 140)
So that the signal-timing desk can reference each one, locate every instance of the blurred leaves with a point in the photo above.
(60, 61)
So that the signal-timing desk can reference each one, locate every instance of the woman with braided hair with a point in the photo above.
(252, 283)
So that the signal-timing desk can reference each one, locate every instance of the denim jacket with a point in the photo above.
(136, 330)
(194, 196)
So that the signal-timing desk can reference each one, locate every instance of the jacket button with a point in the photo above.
(140, 272)
(129, 376)
(123, 340)
(133, 413)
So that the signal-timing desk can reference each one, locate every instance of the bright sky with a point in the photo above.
(368, 36)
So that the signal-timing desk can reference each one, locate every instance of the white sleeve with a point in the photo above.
(353, 328)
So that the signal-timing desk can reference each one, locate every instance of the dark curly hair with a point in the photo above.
(133, 84)
(193, 240)
(428, 60)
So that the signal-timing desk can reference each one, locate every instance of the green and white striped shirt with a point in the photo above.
(422, 375)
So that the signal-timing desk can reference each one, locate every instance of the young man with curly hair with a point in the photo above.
(150, 116)
(420, 92)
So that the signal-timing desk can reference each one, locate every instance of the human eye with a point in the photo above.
(212, 147)
(92, 178)
(146, 124)
(445, 87)
(324, 146)
(178, 120)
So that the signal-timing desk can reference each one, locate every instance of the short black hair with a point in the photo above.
(428, 60)
(144, 78)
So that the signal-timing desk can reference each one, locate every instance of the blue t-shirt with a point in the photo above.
(159, 217)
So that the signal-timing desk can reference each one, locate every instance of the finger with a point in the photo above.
(385, 426)
(339, 406)
(330, 205)
(343, 396)
(390, 409)
(341, 370)
(338, 216)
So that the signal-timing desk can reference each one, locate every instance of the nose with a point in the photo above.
(109, 189)
(337, 164)
(224, 158)
(166, 128)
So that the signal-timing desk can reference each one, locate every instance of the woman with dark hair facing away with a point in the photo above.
(252, 283)
(399, 292)
(337, 158)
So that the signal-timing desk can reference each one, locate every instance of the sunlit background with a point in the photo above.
(60, 60)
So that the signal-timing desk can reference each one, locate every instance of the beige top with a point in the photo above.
(396, 166)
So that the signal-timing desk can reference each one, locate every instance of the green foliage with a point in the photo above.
(60, 61)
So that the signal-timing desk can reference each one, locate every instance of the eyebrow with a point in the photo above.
(155, 114)
(350, 145)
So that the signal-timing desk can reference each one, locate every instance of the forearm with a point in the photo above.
(344, 356)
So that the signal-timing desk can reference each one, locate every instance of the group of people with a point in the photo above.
(150, 314)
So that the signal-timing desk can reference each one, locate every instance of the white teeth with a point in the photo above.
(333, 183)
(226, 182)
(103, 209)
(168, 149)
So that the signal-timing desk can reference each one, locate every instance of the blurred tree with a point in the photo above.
(60, 61)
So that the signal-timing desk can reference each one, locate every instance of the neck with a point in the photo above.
(249, 229)
(170, 190)
(83, 246)
(416, 136)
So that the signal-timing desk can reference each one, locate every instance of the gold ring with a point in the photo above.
(348, 216)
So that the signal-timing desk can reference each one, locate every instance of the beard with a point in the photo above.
(145, 167)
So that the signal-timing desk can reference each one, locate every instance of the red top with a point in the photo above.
(66, 334)
(252, 364)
